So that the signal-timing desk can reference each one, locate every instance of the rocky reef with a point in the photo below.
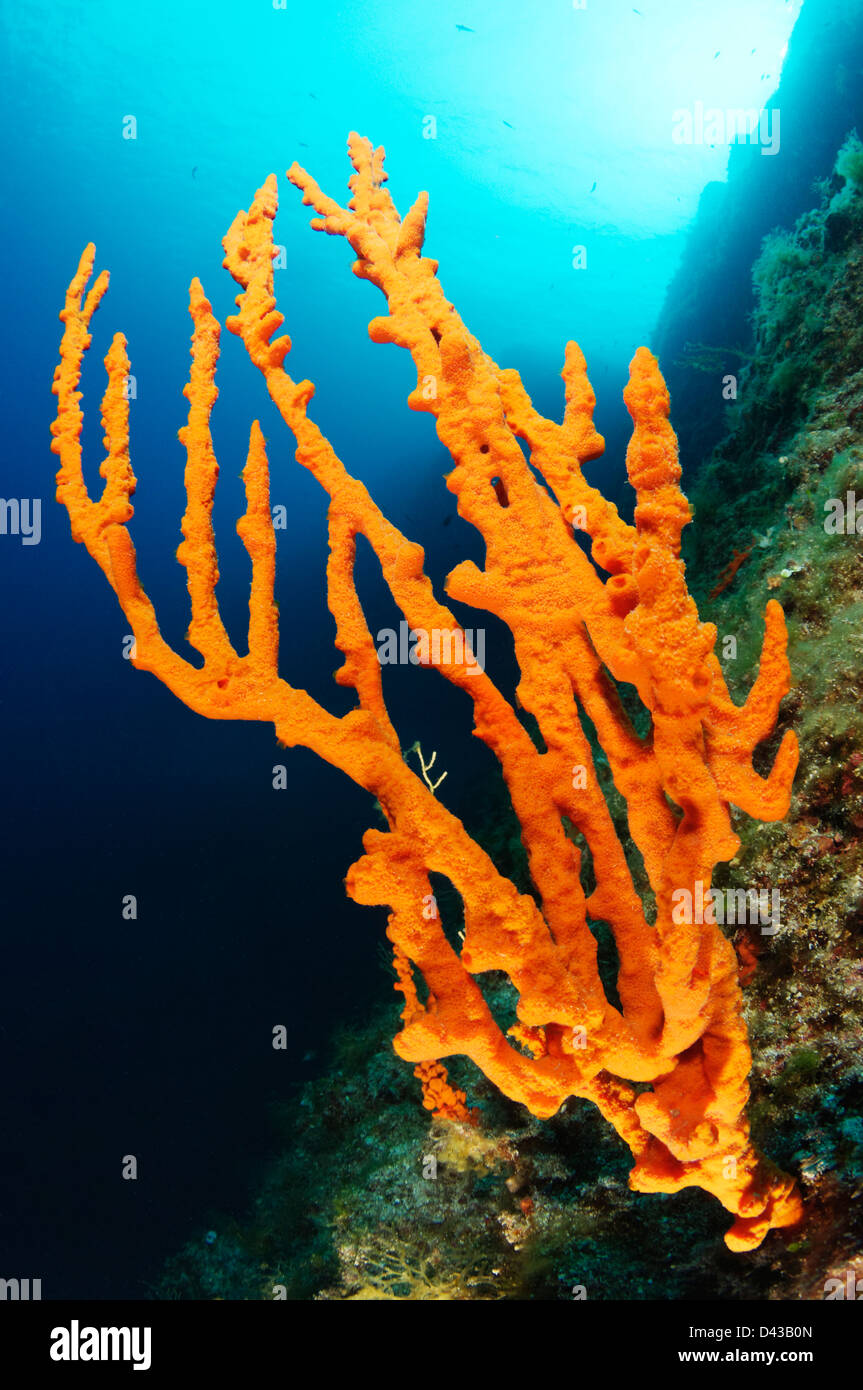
(706, 323)
(783, 487)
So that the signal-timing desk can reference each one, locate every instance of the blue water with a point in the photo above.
(553, 130)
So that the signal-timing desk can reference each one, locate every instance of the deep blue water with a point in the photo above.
(554, 123)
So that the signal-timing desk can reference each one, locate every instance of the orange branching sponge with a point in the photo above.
(444, 1100)
(668, 1067)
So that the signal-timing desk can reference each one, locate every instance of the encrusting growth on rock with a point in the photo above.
(728, 572)
(579, 623)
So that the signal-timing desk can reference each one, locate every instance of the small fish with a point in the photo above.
(194, 171)
(638, 12)
(511, 127)
(593, 190)
(465, 28)
(447, 519)
(302, 144)
(755, 50)
(716, 54)
(312, 95)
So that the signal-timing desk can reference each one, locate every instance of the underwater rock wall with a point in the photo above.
(782, 490)
(803, 374)
(705, 322)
